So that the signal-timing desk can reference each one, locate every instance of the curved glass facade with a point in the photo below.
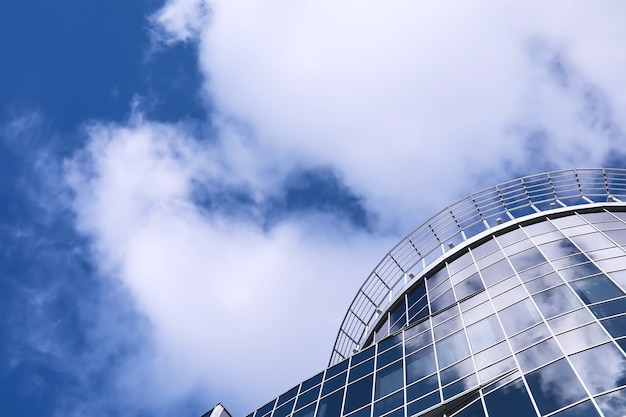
(525, 318)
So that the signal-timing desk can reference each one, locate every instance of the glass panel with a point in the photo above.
(334, 370)
(570, 321)
(616, 326)
(266, 408)
(389, 356)
(509, 297)
(363, 355)
(442, 302)
(389, 379)
(440, 289)
(445, 315)
(418, 342)
(363, 412)
(491, 355)
(306, 412)
(547, 281)
(601, 368)
(556, 301)
(459, 263)
(519, 317)
(593, 241)
(529, 337)
(613, 404)
(307, 397)
(526, 259)
(420, 364)
(554, 386)
(558, 249)
(448, 327)
(284, 410)
(452, 349)
(330, 406)
(584, 409)
(469, 286)
(504, 286)
(389, 342)
(497, 369)
(423, 403)
(536, 272)
(287, 396)
(499, 402)
(496, 272)
(579, 271)
(609, 308)
(334, 383)
(595, 289)
(421, 388)
(484, 333)
(582, 338)
(313, 381)
(456, 371)
(361, 370)
(539, 355)
(477, 313)
(385, 405)
(358, 394)
(474, 410)
(460, 386)
(485, 249)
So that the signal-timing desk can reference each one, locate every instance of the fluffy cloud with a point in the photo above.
(412, 105)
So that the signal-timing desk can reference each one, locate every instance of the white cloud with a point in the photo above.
(412, 104)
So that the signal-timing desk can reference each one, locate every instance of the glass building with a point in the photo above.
(510, 302)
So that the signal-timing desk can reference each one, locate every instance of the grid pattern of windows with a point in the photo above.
(468, 218)
(530, 321)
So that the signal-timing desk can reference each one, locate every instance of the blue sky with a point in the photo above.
(193, 190)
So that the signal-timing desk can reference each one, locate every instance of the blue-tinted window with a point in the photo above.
(456, 371)
(543, 283)
(389, 356)
(423, 403)
(421, 388)
(519, 317)
(311, 382)
(469, 286)
(418, 342)
(554, 386)
(358, 394)
(484, 333)
(389, 379)
(287, 396)
(601, 368)
(613, 404)
(389, 342)
(496, 272)
(416, 294)
(526, 259)
(510, 400)
(362, 369)
(420, 364)
(555, 301)
(334, 370)
(610, 308)
(334, 383)
(284, 409)
(596, 289)
(539, 355)
(361, 356)
(387, 404)
(330, 406)
(558, 249)
(306, 411)
(452, 349)
(442, 302)
(265, 409)
(584, 409)
(460, 386)
(308, 397)
(616, 326)
(474, 410)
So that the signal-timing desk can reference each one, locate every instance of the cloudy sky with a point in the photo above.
(194, 190)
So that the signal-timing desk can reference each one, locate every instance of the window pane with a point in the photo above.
(496, 272)
(582, 338)
(529, 337)
(519, 317)
(389, 379)
(330, 406)
(539, 355)
(616, 326)
(421, 388)
(526, 259)
(420, 364)
(556, 301)
(601, 368)
(393, 401)
(358, 394)
(554, 386)
(595, 289)
(452, 349)
(484, 333)
(499, 401)
(585, 409)
(613, 404)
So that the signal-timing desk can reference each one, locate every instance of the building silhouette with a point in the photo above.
(510, 302)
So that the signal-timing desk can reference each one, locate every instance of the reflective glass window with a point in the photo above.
(592, 242)
(485, 249)
(539, 228)
(313, 381)
(421, 388)
(582, 338)
(284, 409)
(389, 356)
(440, 289)
(474, 410)
(389, 342)
(307, 397)
(518, 247)
(389, 379)
(442, 302)
(397, 317)
(420, 364)
(569, 261)
(305, 412)
(595, 289)
(490, 372)
(584, 409)
(468, 286)
(363, 412)
(491, 355)
(499, 402)
(330, 406)
(445, 315)
(416, 294)
(478, 313)
(334, 383)
(496, 272)
(570, 321)
(418, 342)
(615, 326)
(619, 236)
(510, 297)
(554, 386)
(529, 337)
(538, 355)
(460, 263)
(535, 272)
(361, 370)
(613, 404)
(387, 404)
(266, 408)
(519, 317)
(542, 283)
(610, 308)
(363, 355)
(358, 394)
(579, 271)
(437, 278)
(511, 237)
(568, 221)
(452, 349)
(463, 274)
(558, 249)
(456, 371)
(287, 396)
(423, 403)
(601, 368)
(448, 327)
(484, 333)
(504, 286)
(460, 386)
(526, 259)
(472, 302)
(556, 301)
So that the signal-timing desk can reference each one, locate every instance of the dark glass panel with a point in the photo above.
(519, 317)
(460, 386)
(419, 389)
(358, 394)
(622, 344)
(554, 386)
(336, 369)
(395, 326)
(306, 411)
(442, 302)
(547, 281)
(510, 400)
(584, 409)
(452, 349)
(361, 370)
(596, 289)
(334, 383)
(456, 371)
(613, 404)
(330, 406)
(420, 364)
(582, 338)
(601, 368)
(284, 410)
(313, 381)
(423, 403)
(616, 326)
(389, 379)
(389, 356)
(418, 311)
(364, 412)
(474, 410)
(307, 397)
(266, 408)
(398, 413)
(418, 342)
(529, 337)
(389, 342)
(383, 330)
(363, 355)
(538, 355)
(555, 301)
(496, 272)
(287, 396)
(609, 308)
(387, 404)
(417, 329)
(469, 286)
(416, 294)
(526, 259)
(437, 278)
(484, 333)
